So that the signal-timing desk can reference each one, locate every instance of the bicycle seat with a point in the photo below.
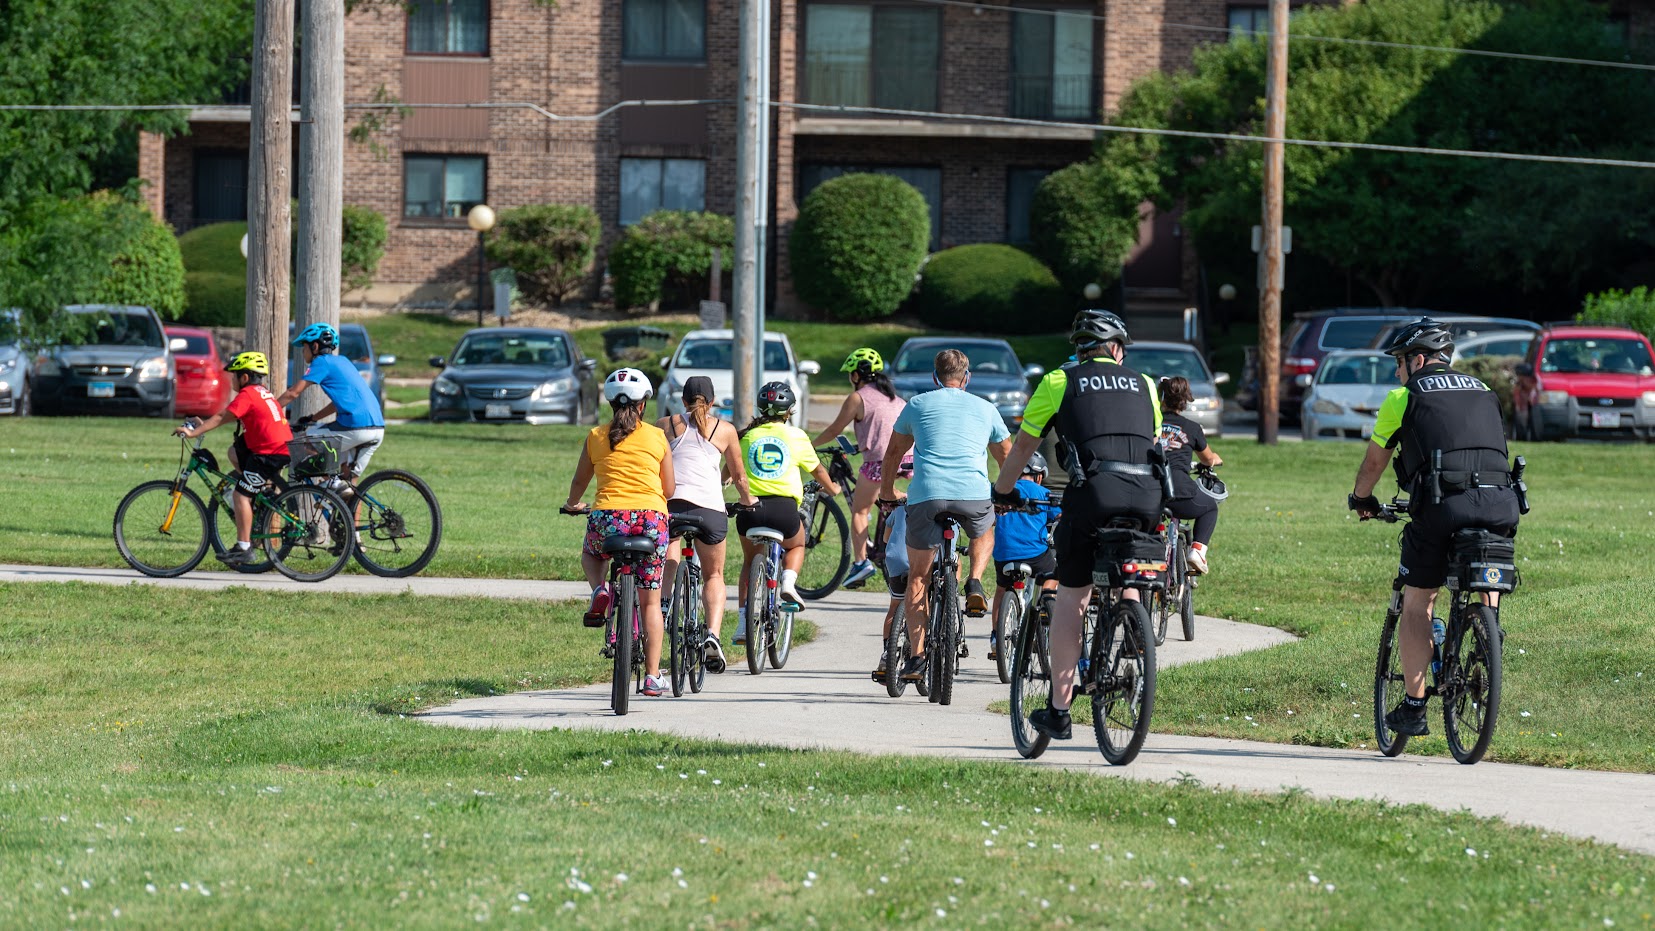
(683, 528)
(643, 546)
(765, 533)
(1020, 568)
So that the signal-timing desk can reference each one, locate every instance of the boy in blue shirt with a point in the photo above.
(359, 422)
(1021, 536)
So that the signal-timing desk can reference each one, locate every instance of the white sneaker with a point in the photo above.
(654, 685)
(1197, 561)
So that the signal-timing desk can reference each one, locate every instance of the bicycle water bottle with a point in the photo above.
(1439, 633)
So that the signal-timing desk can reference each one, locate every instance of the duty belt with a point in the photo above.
(1461, 480)
(1120, 468)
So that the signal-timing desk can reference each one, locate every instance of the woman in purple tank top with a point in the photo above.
(871, 410)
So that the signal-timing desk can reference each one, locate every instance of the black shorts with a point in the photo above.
(259, 472)
(1430, 534)
(711, 526)
(1044, 566)
(778, 512)
(1090, 507)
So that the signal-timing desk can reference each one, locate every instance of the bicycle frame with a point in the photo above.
(220, 486)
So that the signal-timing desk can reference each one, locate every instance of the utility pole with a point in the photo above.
(749, 132)
(321, 170)
(1271, 274)
(269, 186)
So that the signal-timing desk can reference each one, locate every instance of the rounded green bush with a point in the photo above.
(991, 288)
(215, 248)
(859, 240)
(213, 299)
(668, 253)
(146, 268)
(1080, 229)
(551, 247)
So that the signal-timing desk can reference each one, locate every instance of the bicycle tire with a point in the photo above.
(1007, 626)
(143, 544)
(675, 618)
(1161, 599)
(827, 550)
(224, 522)
(779, 645)
(758, 599)
(1186, 593)
(389, 517)
(945, 655)
(896, 652)
(695, 656)
(1473, 661)
(1389, 686)
(1041, 615)
(315, 533)
(1124, 649)
(1031, 690)
(621, 621)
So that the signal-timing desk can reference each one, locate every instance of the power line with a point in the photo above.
(555, 117)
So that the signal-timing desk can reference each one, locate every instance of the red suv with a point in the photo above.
(203, 387)
(1586, 381)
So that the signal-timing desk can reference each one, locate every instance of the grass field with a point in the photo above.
(239, 759)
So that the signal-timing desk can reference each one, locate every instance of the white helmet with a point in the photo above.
(628, 383)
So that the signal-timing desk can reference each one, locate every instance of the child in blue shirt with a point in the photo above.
(1024, 537)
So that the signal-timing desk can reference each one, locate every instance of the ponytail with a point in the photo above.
(628, 414)
(697, 413)
(880, 381)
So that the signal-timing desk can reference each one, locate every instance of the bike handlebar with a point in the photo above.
(581, 511)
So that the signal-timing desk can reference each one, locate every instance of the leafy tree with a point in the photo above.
(1084, 223)
(1635, 308)
(363, 233)
(668, 251)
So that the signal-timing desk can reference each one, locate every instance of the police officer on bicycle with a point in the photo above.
(1451, 461)
(1108, 417)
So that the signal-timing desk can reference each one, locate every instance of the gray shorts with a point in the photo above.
(357, 447)
(976, 518)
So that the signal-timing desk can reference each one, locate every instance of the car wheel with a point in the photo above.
(25, 401)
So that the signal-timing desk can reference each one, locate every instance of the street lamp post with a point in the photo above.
(481, 219)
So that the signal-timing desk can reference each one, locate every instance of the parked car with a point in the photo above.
(16, 367)
(1181, 360)
(515, 374)
(121, 365)
(203, 385)
(1465, 327)
(1498, 343)
(1342, 399)
(354, 345)
(1585, 381)
(709, 353)
(1314, 334)
(996, 375)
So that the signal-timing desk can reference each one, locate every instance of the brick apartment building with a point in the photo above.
(1048, 62)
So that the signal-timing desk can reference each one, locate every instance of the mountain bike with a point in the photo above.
(686, 628)
(769, 625)
(398, 520)
(623, 627)
(1021, 605)
(945, 630)
(1466, 666)
(163, 529)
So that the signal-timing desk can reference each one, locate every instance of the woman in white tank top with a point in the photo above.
(704, 449)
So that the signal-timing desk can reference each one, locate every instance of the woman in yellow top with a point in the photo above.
(634, 471)
(774, 453)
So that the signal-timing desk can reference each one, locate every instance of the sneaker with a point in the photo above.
(712, 655)
(236, 556)
(914, 669)
(860, 572)
(1197, 561)
(1053, 723)
(741, 634)
(654, 686)
(976, 603)
(1408, 720)
(993, 646)
(602, 598)
(789, 599)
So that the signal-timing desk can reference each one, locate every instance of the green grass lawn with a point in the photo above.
(240, 759)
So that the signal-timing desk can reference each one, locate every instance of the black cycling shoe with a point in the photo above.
(914, 669)
(976, 603)
(1053, 723)
(236, 556)
(1409, 720)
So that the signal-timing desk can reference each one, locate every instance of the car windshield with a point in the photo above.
(1516, 346)
(124, 328)
(1609, 356)
(985, 359)
(353, 344)
(516, 349)
(1167, 363)
(1353, 333)
(194, 345)
(1376, 369)
(714, 353)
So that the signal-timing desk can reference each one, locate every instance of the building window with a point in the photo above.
(220, 186)
(664, 30)
(1051, 66)
(448, 27)
(926, 179)
(651, 184)
(860, 55)
(1020, 186)
(1249, 21)
(442, 187)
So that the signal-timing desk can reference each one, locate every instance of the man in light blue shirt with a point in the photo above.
(949, 431)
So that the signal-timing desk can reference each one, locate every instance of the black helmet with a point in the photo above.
(1036, 464)
(1423, 335)
(1211, 485)
(1098, 326)
(776, 398)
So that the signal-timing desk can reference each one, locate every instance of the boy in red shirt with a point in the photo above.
(260, 447)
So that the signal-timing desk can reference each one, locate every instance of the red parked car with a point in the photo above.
(203, 387)
(1586, 381)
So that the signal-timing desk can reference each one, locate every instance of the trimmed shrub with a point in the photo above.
(363, 233)
(667, 255)
(146, 268)
(1499, 373)
(550, 246)
(1080, 229)
(857, 245)
(212, 299)
(990, 288)
(1635, 308)
(215, 247)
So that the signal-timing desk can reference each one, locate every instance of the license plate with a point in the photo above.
(497, 410)
(1606, 418)
(101, 389)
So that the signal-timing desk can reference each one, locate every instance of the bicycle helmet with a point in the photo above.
(1211, 485)
(323, 334)
(1036, 464)
(1423, 335)
(864, 358)
(627, 383)
(776, 399)
(1095, 326)
(254, 362)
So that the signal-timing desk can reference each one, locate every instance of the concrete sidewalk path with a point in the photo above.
(355, 584)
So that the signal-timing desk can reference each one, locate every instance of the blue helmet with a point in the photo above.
(321, 333)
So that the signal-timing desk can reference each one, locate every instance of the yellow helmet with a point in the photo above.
(249, 362)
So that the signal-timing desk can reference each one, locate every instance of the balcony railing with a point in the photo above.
(1053, 97)
(860, 86)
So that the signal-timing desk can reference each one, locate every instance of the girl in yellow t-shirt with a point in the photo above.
(634, 471)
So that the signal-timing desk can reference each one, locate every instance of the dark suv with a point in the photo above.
(1311, 336)
(122, 365)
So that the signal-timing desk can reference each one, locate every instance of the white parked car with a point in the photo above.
(1501, 343)
(1343, 397)
(709, 353)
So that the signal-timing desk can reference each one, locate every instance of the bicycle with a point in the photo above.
(398, 519)
(1466, 667)
(770, 629)
(1018, 608)
(163, 530)
(1176, 596)
(622, 640)
(945, 628)
(686, 628)
(827, 535)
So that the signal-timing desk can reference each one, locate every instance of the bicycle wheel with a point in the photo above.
(676, 616)
(1031, 690)
(1388, 688)
(827, 550)
(695, 636)
(945, 648)
(223, 536)
(1162, 600)
(1186, 594)
(312, 536)
(896, 652)
(1124, 667)
(781, 639)
(1007, 626)
(758, 599)
(161, 530)
(621, 622)
(1041, 616)
(398, 523)
(1471, 698)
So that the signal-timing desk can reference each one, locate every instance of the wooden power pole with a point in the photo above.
(1271, 273)
(321, 170)
(750, 120)
(269, 186)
